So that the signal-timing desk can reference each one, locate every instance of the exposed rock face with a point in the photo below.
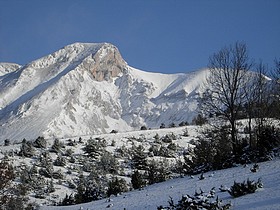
(106, 63)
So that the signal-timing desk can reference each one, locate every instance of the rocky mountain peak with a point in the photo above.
(106, 63)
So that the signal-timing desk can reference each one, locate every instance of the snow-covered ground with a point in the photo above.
(266, 198)
(158, 194)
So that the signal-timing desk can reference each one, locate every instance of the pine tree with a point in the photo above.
(108, 163)
(50, 187)
(57, 146)
(7, 175)
(26, 150)
(60, 161)
(139, 156)
(137, 180)
(116, 186)
(94, 148)
(81, 188)
(68, 200)
(158, 171)
(40, 142)
(7, 142)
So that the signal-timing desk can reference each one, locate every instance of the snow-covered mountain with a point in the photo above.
(8, 67)
(87, 88)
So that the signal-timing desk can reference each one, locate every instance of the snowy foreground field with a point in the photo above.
(155, 195)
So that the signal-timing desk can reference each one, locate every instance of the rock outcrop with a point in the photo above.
(106, 63)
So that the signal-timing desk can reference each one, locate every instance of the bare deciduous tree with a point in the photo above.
(227, 84)
(276, 89)
(257, 99)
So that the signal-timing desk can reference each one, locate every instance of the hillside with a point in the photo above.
(159, 194)
(116, 149)
(37, 171)
(85, 89)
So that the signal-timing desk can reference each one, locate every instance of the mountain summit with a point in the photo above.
(87, 88)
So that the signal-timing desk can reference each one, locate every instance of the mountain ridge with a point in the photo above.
(88, 88)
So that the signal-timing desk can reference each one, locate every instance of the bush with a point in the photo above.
(114, 131)
(198, 201)
(57, 174)
(265, 141)
(185, 132)
(240, 189)
(14, 202)
(143, 128)
(183, 123)
(7, 142)
(172, 125)
(10, 194)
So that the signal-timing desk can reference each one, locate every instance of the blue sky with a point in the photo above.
(166, 36)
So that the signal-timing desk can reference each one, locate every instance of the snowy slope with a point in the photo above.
(87, 88)
(266, 198)
(6, 68)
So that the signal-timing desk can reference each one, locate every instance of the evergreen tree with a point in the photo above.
(47, 165)
(116, 186)
(60, 161)
(212, 151)
(45, 159)
(50, 187)
(68, 200)
(57, 146)
(137, 180)
(90, 188)
(158, 171)
(81, 189)
(108, 163)
(26, 150)
(7, 142)
(40, 142)
(7, 175)
(139, 156)
(199, 120)
(94, 148)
